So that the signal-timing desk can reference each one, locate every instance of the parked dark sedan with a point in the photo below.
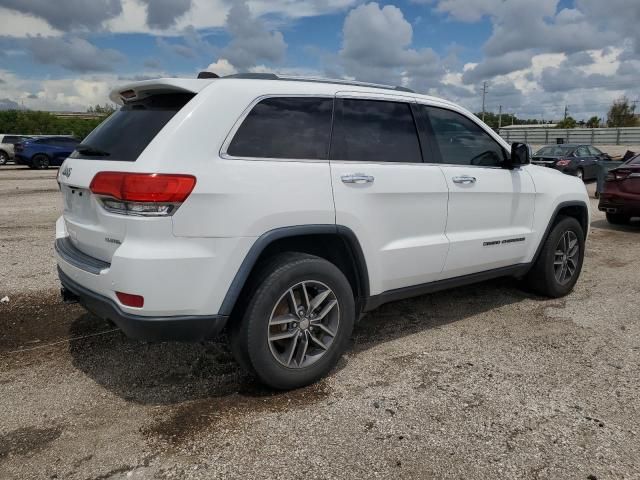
(578, 160)
(43, 152)
(621, 196)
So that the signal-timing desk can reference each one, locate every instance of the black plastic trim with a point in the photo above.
(190, 328)
(416, 290)
(552, 220)
(75, 257)
(271, 236)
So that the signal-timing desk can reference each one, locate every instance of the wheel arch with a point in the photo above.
(576, 209)
(335, 243)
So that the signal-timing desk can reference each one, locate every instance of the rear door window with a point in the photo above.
(374, 131)
(285, 127)
(128, 131)
(582, 152)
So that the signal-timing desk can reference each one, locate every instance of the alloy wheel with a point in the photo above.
(566, 256)
(303, 324)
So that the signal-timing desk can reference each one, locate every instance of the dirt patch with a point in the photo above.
(27, 440)
(185, 421)
(31, 320)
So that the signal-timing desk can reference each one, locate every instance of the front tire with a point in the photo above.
(298, 321)
(559, 264)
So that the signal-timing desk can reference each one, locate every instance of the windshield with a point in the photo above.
(634, 161)
(554, 151)
(127, 132)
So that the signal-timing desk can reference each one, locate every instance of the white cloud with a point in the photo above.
(222, 67)
(16, 24)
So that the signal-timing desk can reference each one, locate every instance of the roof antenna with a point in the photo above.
(207, 75)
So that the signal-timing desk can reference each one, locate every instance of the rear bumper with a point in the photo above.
(177, 328)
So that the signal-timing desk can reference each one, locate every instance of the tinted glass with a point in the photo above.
(635, 160)
(374, 131)
(292, 127)
(594, 151)
(554, 151)
(461, 141)
(11, 139)
(128, 131)
(582, 152)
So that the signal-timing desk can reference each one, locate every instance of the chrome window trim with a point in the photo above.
(350, 94)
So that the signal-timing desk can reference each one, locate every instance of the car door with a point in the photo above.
(490, 209)
(585, 161)
(597, 157)
(395, 203)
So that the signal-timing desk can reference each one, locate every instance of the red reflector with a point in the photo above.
(143, 187)
(136, 301)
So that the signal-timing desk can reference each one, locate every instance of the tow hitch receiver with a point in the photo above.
(68, 296)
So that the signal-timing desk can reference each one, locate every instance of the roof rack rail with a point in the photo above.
(273, 76)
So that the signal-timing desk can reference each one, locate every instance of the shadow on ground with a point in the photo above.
(173, 373)
(633, 226)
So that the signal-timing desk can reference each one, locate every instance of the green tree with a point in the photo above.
(622, 114)
(568, 122)
(29, 122)
(593, 122)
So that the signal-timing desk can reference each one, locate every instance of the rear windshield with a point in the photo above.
(126, 133)
(554, 151)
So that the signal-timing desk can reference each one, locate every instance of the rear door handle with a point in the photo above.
(464, 180)
(357, 178)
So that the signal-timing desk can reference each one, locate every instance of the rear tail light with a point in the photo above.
(142, 194)
(563, 163)
(130, 300)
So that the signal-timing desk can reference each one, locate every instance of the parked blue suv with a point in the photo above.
(43, 152)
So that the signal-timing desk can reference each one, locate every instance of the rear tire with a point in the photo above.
(580, 174)
(297, 323)
(40, 162)
(4, 157)
(618, 219)
(556, 271)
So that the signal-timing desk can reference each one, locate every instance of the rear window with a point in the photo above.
(127, 132)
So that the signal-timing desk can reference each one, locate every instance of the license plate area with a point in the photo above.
(77, 202)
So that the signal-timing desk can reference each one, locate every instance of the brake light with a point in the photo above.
(148, 194)
(130, 300)
(563, 162)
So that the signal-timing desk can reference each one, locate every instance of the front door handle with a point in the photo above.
(357, 178)
(464, 180)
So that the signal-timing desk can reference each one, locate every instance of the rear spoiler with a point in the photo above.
(146, 88)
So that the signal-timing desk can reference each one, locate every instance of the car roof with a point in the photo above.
(142, 89)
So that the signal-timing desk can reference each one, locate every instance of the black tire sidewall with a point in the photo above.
(38, 162)
(4, 158)
(283, 277)
(548, 256)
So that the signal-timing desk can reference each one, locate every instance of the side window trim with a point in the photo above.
(245, 113)
(429, 146)
(409, 101)
(436, 147)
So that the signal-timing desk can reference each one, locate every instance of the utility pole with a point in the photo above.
(566, 111)
(499, 117)
(484, 95)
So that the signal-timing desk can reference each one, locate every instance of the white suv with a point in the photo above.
(286, 208)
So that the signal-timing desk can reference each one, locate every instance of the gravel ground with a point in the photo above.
(479, 382)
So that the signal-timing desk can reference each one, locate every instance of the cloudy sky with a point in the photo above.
(536, 55)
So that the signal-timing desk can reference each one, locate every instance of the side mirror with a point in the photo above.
(520, 155)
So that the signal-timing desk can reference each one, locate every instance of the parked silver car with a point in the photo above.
(7, 143)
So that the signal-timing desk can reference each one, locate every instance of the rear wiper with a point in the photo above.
(91, 151)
